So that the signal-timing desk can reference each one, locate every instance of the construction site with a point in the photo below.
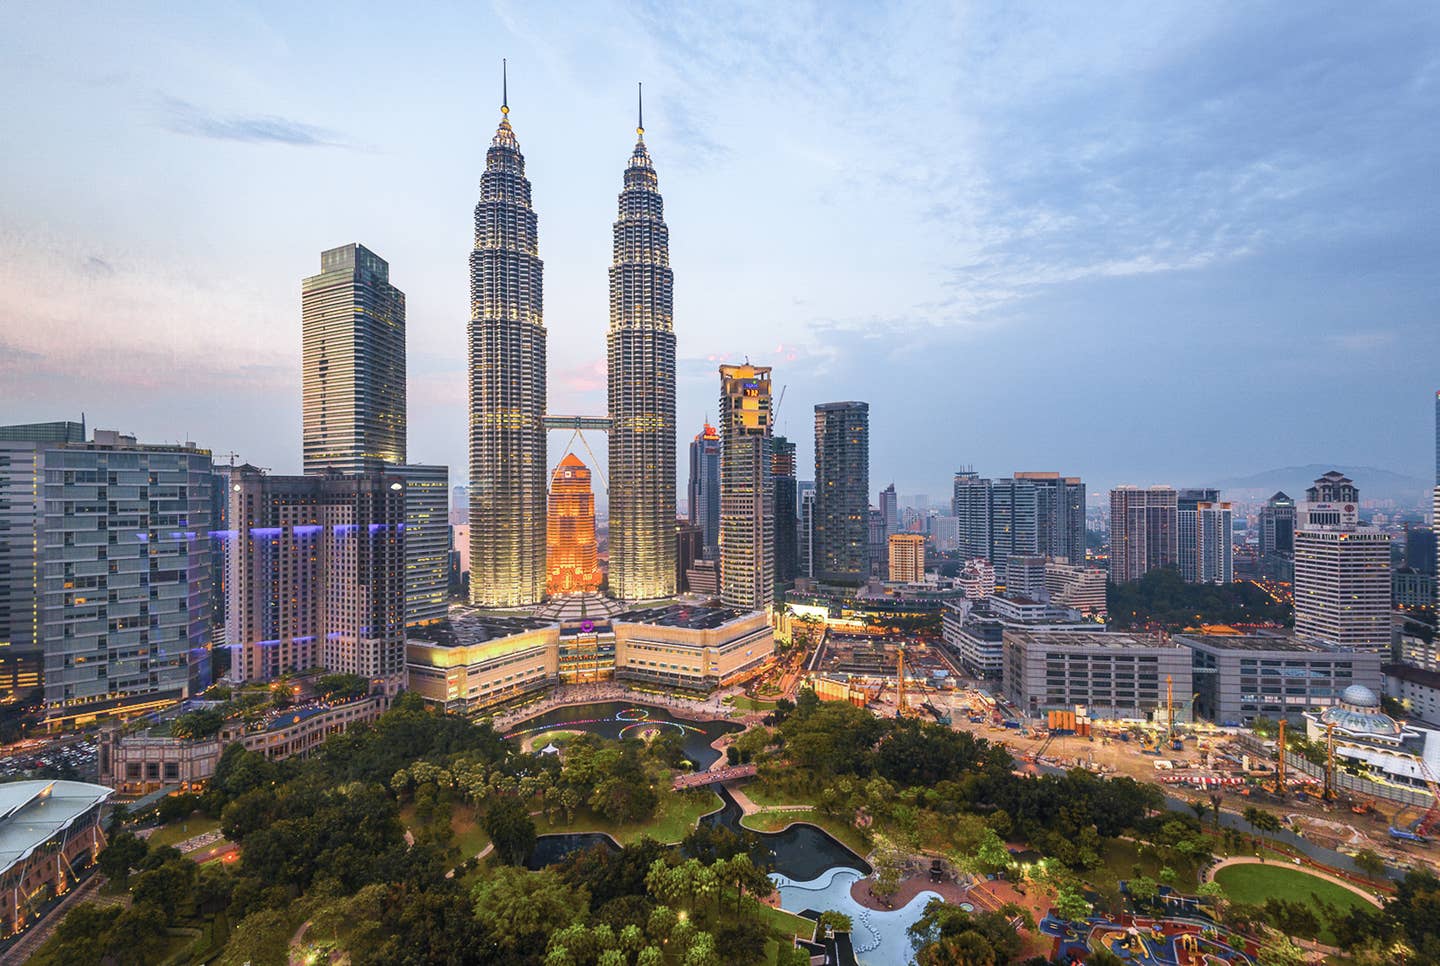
(1223, 767)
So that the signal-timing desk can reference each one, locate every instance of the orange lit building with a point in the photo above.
(572, 554)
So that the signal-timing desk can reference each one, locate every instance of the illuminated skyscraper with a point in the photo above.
(572, 554)
(641, 351)
(747, 489)
(704, 495)
(507, 385)
(353, 358)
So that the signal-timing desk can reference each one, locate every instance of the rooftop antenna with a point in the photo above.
(504, 87)
(640, 104)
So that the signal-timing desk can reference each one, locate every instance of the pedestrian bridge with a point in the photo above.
(714, 776)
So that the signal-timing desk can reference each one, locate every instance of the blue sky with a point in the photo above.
(1140, 242)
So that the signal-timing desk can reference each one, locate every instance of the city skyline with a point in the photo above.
(987, 262)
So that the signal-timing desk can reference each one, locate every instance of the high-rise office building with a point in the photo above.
(316, 575)
(890, 509)
(427, 542)
(507, 385)
(22, 472)
(1277, 526)
(747, 489)
(1059, 514)
(1073, 530)
(1142, 531)
(971, 509)
(689, 548)
(806, 543)
(1014, 522)
(641, 352)
(1342, 570)
(787, 530)
(1187, 523)
(1214, 543)
(460, 506)
(704, 491)
(842, 491)
(353, 352)
(877, 555)
(125, 574)
(1333, 501)
(572, 554)
(907, 557)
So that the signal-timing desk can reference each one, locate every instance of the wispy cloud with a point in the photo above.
(182, 117)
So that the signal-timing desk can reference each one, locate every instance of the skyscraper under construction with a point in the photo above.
(507, 385)
(641, 351)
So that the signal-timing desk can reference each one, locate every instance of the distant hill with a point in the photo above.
(1374, 484)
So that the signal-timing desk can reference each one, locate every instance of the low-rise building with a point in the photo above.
(140, 762)
(1417, 689)
(974, 630)
(977, 579)
(49, 834)
(1388, 750)
(1113, 675)
(476, 661)
(1241, 677)
(1079, 588)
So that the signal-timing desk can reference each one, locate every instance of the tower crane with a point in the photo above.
(1329, 794)
(1280, 761)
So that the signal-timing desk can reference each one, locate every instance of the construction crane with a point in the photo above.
(1280, 761)
(900, 685)
(1329, 794)
(1428, 820)
(1170, 706)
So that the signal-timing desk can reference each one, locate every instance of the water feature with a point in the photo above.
(555, 848)
(878, 937)
(618, 719)
(801, 852)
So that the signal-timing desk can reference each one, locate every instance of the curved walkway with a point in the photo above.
(1307, 869)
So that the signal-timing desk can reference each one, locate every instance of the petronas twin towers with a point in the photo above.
(508, 459)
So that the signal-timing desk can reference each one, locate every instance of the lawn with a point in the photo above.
(675, 818)
(182, 829)
(470, 838)
(1121, 856)
(746, 703)
(1256, 882)
(764, 793)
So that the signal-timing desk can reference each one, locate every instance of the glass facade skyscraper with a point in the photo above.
(842, 491)
(747, 489)
(641, 353)
(507, 385)
(704, 495)
(353, 358)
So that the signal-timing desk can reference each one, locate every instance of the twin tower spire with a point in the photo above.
(507, 365)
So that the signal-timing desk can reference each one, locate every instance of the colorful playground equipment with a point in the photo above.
(1158, 943)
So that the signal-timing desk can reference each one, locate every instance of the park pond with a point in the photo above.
(879, 938)
(618, 719)
(800, 853)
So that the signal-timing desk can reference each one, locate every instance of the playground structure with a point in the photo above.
(1144, 942)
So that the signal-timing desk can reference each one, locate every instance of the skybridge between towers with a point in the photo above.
(578, 425)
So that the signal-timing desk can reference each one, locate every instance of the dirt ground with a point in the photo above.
(1330, 825)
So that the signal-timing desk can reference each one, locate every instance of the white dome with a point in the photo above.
(1360, 696)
